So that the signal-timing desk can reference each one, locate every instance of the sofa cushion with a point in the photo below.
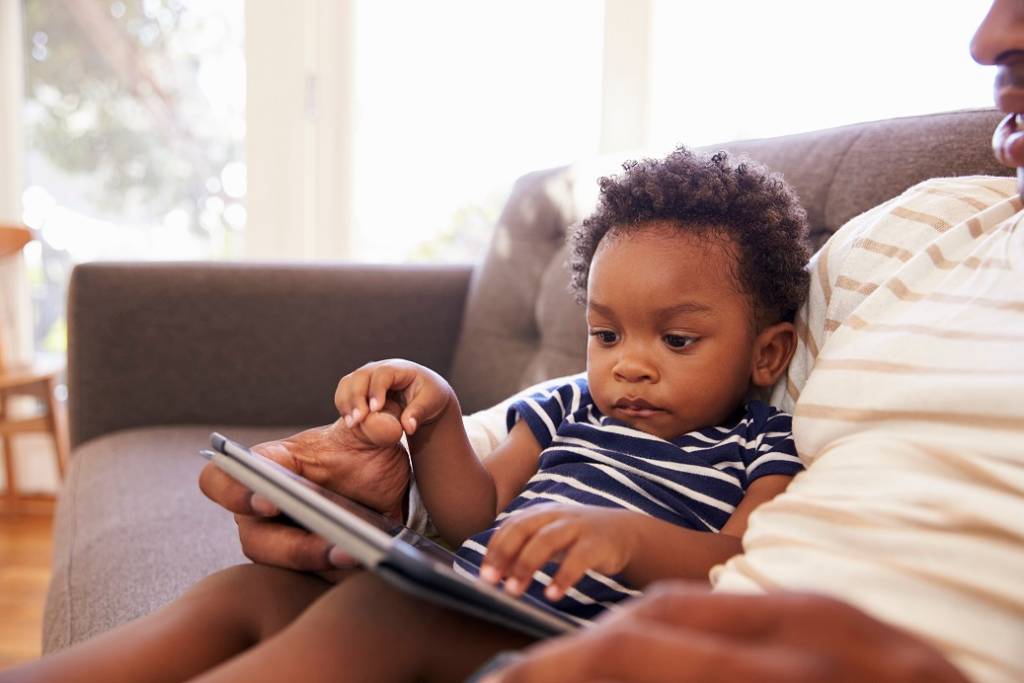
(521, 324)
(131, 508)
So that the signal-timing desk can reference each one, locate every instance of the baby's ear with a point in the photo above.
(773, 349)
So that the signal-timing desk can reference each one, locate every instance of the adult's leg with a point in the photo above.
(363, 629)
(216, 619)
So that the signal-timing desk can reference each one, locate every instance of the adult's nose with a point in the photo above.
(1001, 33)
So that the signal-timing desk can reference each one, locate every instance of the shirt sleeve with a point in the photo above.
(770, 448)
(485, 430)
(544, 411)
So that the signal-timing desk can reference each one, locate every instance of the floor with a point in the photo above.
(25, 551)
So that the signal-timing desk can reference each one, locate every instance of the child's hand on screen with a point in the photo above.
(421, 394)
(579, 537)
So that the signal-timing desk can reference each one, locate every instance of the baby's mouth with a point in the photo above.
(636, 407)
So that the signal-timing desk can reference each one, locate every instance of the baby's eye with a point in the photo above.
(604, 336)
(678, 341)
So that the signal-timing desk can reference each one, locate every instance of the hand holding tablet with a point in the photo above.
(404, 557)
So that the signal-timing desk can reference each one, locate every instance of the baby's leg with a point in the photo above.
(363, 629)
(216, 619)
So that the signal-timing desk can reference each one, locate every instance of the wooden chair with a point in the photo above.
(38, 379)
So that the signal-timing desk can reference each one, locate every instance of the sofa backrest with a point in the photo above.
(521, 325)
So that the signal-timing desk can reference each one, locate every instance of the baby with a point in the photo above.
(690, 271)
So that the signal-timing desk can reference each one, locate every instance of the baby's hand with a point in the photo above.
(421, 394)
(580, 537)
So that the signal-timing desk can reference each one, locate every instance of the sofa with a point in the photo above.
(160, 354)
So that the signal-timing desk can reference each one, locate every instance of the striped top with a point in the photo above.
(696, 480)
(912, 425)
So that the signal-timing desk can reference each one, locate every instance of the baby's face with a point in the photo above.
(671, 343)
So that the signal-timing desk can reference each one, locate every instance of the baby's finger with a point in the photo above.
(541, 548)
(507, 541)
(381, 382)
(422, 402)
(578, 559)
(350, 397)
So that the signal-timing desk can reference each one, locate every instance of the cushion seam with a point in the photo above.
(832, 180)
(73, 492)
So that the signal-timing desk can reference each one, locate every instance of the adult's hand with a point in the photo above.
(334, 456)
(678, 632)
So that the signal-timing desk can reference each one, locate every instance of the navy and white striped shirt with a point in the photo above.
(696, 480)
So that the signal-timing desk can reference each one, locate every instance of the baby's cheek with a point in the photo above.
(596, 384)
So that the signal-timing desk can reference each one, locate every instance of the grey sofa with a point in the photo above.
(160, 354)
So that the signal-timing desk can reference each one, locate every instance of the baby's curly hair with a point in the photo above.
(714, 196)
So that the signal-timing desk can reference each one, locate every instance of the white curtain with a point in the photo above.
(15, 301)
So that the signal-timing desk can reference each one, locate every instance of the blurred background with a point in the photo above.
(391, 130)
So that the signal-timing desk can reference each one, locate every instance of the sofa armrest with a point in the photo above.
(243, 343)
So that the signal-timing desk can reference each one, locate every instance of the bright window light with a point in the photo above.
(455, 100)
(738, 69)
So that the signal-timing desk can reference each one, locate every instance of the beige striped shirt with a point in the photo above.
(912, 427)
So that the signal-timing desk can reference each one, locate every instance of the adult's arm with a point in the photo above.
(678, 633)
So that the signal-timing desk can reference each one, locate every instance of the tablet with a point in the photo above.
(407, 559)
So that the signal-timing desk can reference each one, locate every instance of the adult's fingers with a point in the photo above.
(282, 545)
(341, 559)
(692, 606)
(263, 506)
(636, 651)
(234, 496)
(225, 491)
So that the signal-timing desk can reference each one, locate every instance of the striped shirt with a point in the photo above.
(912, 427)
(696, 480)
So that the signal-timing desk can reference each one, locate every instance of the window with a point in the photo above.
(453, 101)
(135, 123)
(396, 128)
(744, 68)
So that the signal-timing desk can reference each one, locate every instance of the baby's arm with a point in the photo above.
(461, 495)
(611, 540)
(664, 550)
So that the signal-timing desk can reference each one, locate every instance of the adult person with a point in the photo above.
(905, 535)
